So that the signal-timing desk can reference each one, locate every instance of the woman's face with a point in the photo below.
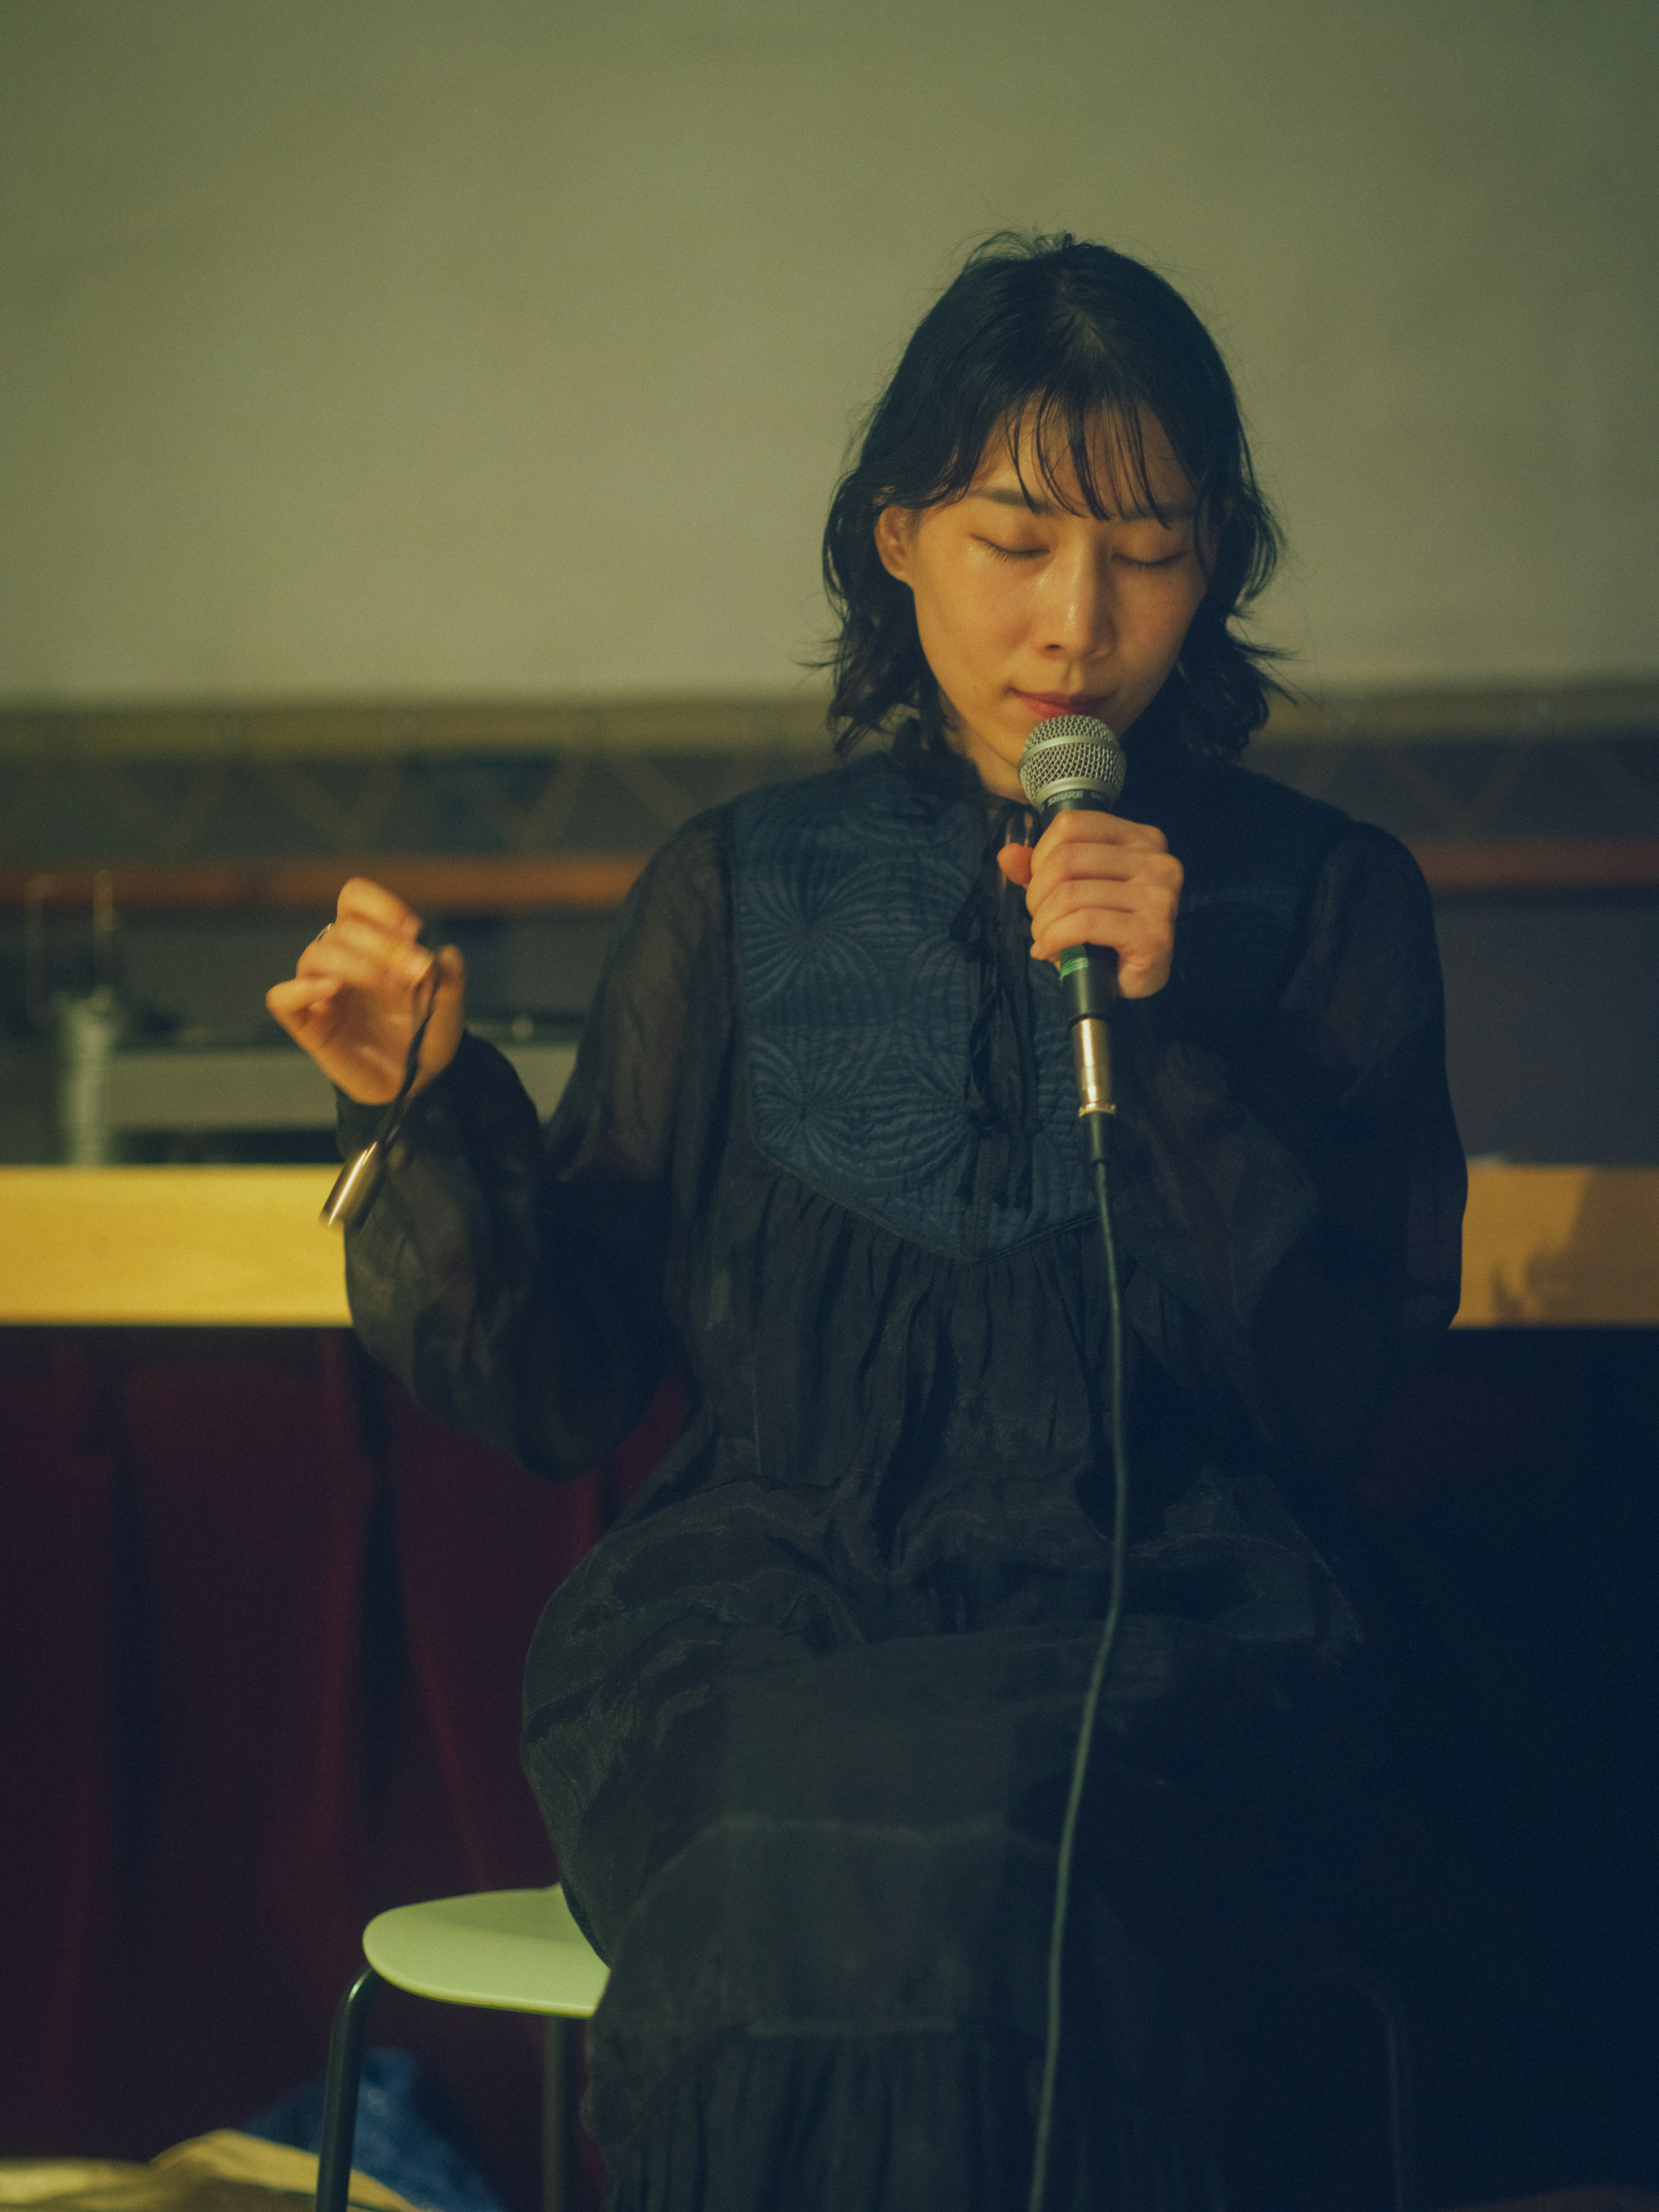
(1030, 609)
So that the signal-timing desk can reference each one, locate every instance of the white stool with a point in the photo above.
(507, 1950)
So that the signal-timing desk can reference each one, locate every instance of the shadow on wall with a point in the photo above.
(1561, 1246)
(1612, 1242)
(1607, 1259)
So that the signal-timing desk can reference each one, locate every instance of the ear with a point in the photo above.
(894, 525)
(1208, 534)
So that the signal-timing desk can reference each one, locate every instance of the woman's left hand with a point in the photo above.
(1093, 878)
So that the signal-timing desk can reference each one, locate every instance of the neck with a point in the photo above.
(999, 776)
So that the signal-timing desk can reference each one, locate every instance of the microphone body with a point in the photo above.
(1071, 762)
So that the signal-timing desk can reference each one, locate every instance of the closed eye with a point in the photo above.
(1035, 553)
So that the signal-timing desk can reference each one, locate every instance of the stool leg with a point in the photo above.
(558, 2176)
(345, 2067)
(1397, 2060)
(1399, 2101)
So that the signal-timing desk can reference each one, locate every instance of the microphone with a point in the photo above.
(1071, 760)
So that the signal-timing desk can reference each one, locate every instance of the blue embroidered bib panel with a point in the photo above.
(858, 1002)
(858, 1005)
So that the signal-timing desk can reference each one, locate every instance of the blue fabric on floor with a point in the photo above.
(407, 2136)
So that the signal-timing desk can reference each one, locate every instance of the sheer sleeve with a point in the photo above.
(513, 1279)
(1295, 1205)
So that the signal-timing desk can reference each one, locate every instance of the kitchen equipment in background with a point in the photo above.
(200, 1088)
(86, 1026)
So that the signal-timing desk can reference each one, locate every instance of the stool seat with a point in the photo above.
(513, 1950)
(501, 1950)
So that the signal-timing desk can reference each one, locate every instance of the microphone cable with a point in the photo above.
(1075, 760)
(1096, 1132)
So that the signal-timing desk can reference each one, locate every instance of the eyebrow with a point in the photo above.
(1042, 507)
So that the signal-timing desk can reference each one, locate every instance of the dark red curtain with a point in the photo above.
(263, 1627)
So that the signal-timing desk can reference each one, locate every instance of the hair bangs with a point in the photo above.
(1087, 441)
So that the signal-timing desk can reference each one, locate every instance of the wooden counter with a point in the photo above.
(125, 1246)
(184, 1245)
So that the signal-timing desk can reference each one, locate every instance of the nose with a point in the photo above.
(1079, 619)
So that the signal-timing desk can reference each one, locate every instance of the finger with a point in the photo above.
(1053, 910)
(368, 961)
(1015, 862)
(1120, 854)
(448, 1000)
(443, 1034)
(1143, 977)
(1121, 928)
(1077, 862)
(312, 1021)
(300, 995)
(1087, 825)
(299, 991)
(367, 972)
(360, 900)
(396, 949)
(1150, 907)
(1144, 953)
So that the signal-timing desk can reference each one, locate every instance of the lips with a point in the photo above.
(1064, 702)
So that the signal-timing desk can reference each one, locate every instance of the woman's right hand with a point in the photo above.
(360, 988)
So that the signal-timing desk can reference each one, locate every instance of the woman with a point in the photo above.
(801, 1725)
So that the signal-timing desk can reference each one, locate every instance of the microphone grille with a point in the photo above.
(1072, 752)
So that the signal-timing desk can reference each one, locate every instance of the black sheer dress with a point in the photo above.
(801, 1724)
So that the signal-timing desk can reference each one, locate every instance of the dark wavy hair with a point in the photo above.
(1051, 334)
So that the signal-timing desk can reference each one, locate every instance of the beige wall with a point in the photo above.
(507, 347)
